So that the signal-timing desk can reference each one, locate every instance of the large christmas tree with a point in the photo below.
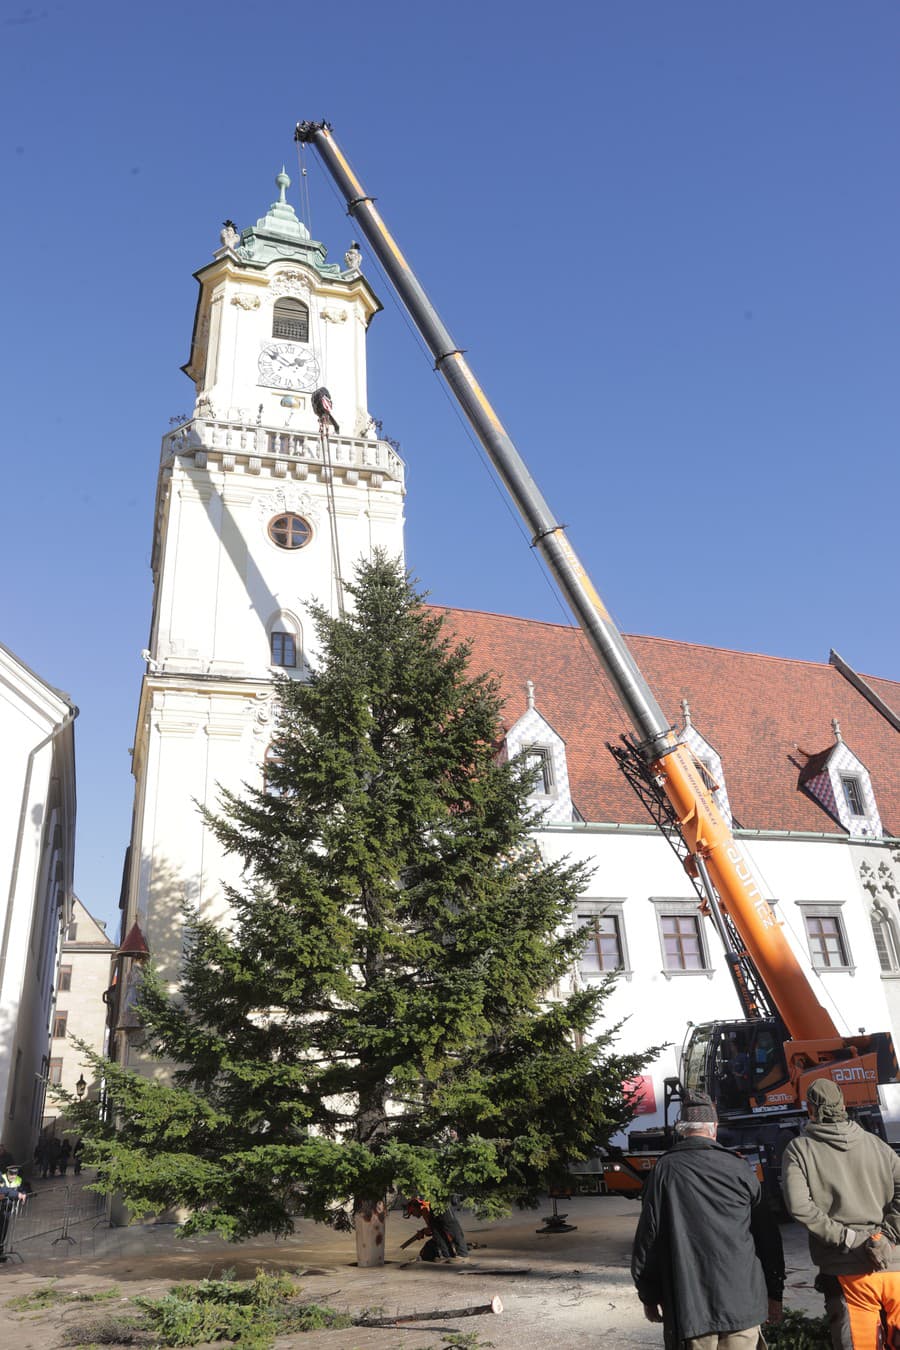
(378, 1016)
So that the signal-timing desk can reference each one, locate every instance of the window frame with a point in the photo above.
(282, 633)
(854, 796)
(271, 756)
(591, 909)
(65, 980)
(828, 910)
(667, 907)
(884, 929)
(288, 305)
(54, 1070)
(290, 519)
(544, 773)
(60, 1019)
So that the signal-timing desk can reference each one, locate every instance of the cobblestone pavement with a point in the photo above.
(567, 1290)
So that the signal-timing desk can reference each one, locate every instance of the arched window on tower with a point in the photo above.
(285, 636)
(283, 649)
(291, 320)
(272, 761)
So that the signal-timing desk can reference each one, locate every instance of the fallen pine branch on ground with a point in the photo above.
(495, 1306)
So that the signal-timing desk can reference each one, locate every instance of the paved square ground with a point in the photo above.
(567, 1291)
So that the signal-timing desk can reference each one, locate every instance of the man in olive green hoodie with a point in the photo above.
(843, 1184)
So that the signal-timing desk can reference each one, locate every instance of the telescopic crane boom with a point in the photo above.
(733, 896)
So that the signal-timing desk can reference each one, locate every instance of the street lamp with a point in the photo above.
(81, 1087)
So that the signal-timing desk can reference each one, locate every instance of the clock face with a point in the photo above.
(288, 365)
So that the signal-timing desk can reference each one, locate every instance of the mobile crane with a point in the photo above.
(757, 1068)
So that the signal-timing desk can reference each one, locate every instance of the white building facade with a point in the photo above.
(262, 508)
(37, 854)
(819, 826)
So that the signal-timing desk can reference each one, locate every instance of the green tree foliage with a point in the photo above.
(377, 1014)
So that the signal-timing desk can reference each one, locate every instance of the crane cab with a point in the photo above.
(739, 1064)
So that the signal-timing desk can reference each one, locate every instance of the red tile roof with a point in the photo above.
(764, 715)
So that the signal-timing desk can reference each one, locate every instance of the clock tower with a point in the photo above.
(267, 497)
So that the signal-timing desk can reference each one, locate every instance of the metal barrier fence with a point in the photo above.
(55, 1210)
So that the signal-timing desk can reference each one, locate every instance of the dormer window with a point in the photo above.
(540, 762)
(291, 320)
(853, 795)
(533, 740)
(840, 783)
(708, 762)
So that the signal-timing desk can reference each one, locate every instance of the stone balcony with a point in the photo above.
(244, 447)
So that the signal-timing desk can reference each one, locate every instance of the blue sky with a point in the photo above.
(666, 234)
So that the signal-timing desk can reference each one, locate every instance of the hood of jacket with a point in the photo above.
(842, 1135)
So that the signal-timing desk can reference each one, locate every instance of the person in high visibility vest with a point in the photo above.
(11, 1196)
(445, 1238)
(843, 1184)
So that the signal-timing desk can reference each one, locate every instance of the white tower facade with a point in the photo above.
(262, 506)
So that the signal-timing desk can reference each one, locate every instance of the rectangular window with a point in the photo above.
(55, 1074)
(65, 979)
(603, 950)
(284, 649)
(606, 945)
(682, 944)
(853, 796)
(682, 937)
(827, 944)
(59, 1024)
(541, 765)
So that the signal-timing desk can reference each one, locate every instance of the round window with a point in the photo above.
(290, 531)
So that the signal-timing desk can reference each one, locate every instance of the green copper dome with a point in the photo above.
(279, 234)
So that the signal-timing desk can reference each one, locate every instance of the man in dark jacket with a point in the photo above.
(707, 1259)
(843, 1184)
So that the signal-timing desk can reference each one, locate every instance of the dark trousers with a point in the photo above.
(447, 1237)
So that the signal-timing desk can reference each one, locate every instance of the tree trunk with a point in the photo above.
(369, 1224)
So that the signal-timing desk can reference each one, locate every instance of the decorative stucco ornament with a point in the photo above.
(261, 710)
(245, 301)
(289, 283)
(332, 315)
(868, 878)
(887, 880)
(287, 498)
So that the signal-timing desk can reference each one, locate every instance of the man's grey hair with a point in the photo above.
(706, 1128)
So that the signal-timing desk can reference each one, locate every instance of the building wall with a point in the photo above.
(87, 955)
(635, 867)
(37, 836)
